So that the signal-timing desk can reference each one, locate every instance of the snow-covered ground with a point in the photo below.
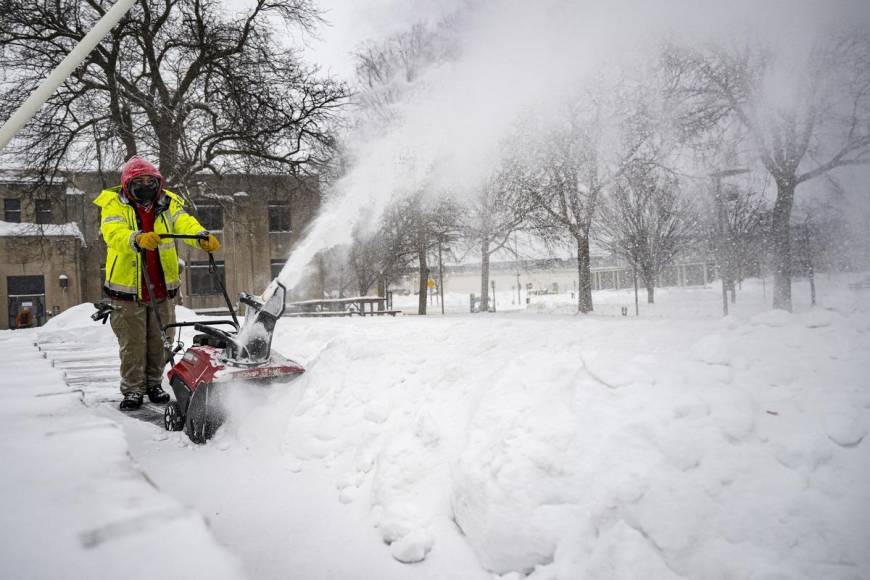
(528, 442)
(73, 503)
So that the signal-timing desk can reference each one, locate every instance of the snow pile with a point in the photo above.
(570, 447)
(77, 317)
(75, 326)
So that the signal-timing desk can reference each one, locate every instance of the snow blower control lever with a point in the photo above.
(212, 268)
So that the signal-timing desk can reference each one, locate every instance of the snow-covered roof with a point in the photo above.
(73, 190)
(217, 196)
(8, 229)
(22, 176)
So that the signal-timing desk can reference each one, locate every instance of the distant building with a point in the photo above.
(52, 255)
(559, 275)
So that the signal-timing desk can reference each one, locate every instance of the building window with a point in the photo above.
(12, 210)
(202, 282)
(211, 217)
(279, 216)
(43, 211)
(277, 266)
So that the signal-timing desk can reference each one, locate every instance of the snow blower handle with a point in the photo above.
(104, 310)
(212, 269)
(200, 236)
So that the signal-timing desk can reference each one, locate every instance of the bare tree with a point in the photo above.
(594, 140)
(378, 258)
(499, 209)
(747, 216)
(366, 259)
(176, 80)
(645, 220)
(735, 229)
(386, 70)
(565, 181)
(824, 124)
(430, 223)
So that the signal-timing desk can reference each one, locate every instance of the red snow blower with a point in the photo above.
(219, 359)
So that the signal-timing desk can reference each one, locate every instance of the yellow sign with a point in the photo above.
(430, 284)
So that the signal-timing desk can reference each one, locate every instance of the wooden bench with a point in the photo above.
(318, 314)
(330, 307)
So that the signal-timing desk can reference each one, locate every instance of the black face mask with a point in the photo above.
(144, 192)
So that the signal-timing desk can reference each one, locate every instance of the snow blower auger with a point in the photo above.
(219, 358)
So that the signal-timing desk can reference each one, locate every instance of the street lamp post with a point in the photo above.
(724, 258)
(517, 258)
(440, 275)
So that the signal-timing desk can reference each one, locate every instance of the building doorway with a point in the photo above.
(26, 292)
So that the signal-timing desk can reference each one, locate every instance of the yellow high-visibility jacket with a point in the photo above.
(119, 226)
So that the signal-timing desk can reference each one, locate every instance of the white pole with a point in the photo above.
(33, 103)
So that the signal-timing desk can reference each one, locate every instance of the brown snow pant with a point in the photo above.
(139, 343)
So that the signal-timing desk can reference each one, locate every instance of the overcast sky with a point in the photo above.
(354, 21)
(350, 22)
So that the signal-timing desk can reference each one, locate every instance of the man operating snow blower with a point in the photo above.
(142, 272)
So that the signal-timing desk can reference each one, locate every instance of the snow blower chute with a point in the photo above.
(219, 359)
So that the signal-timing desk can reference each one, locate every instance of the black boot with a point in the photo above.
(131, 402)
(157, 395)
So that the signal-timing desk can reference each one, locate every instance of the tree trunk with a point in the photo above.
(584, 275)
(424, 277)
(167, 157)
(649, 281)
(321, 274)
(484, 275)
(382, 290)
(781, 237)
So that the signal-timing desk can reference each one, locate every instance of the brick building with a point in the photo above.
(52, 255)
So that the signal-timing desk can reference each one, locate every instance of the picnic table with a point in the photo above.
(328, 307)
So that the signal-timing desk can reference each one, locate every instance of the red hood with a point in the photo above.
(135, 167)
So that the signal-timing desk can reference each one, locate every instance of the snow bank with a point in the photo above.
(572, 447)
(78, 316)
(74, 325)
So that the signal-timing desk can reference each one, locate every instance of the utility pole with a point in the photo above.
(492, 283)
(723, 252)
(517, 257)
(636, 302)
(808, 257)
(440, 275)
